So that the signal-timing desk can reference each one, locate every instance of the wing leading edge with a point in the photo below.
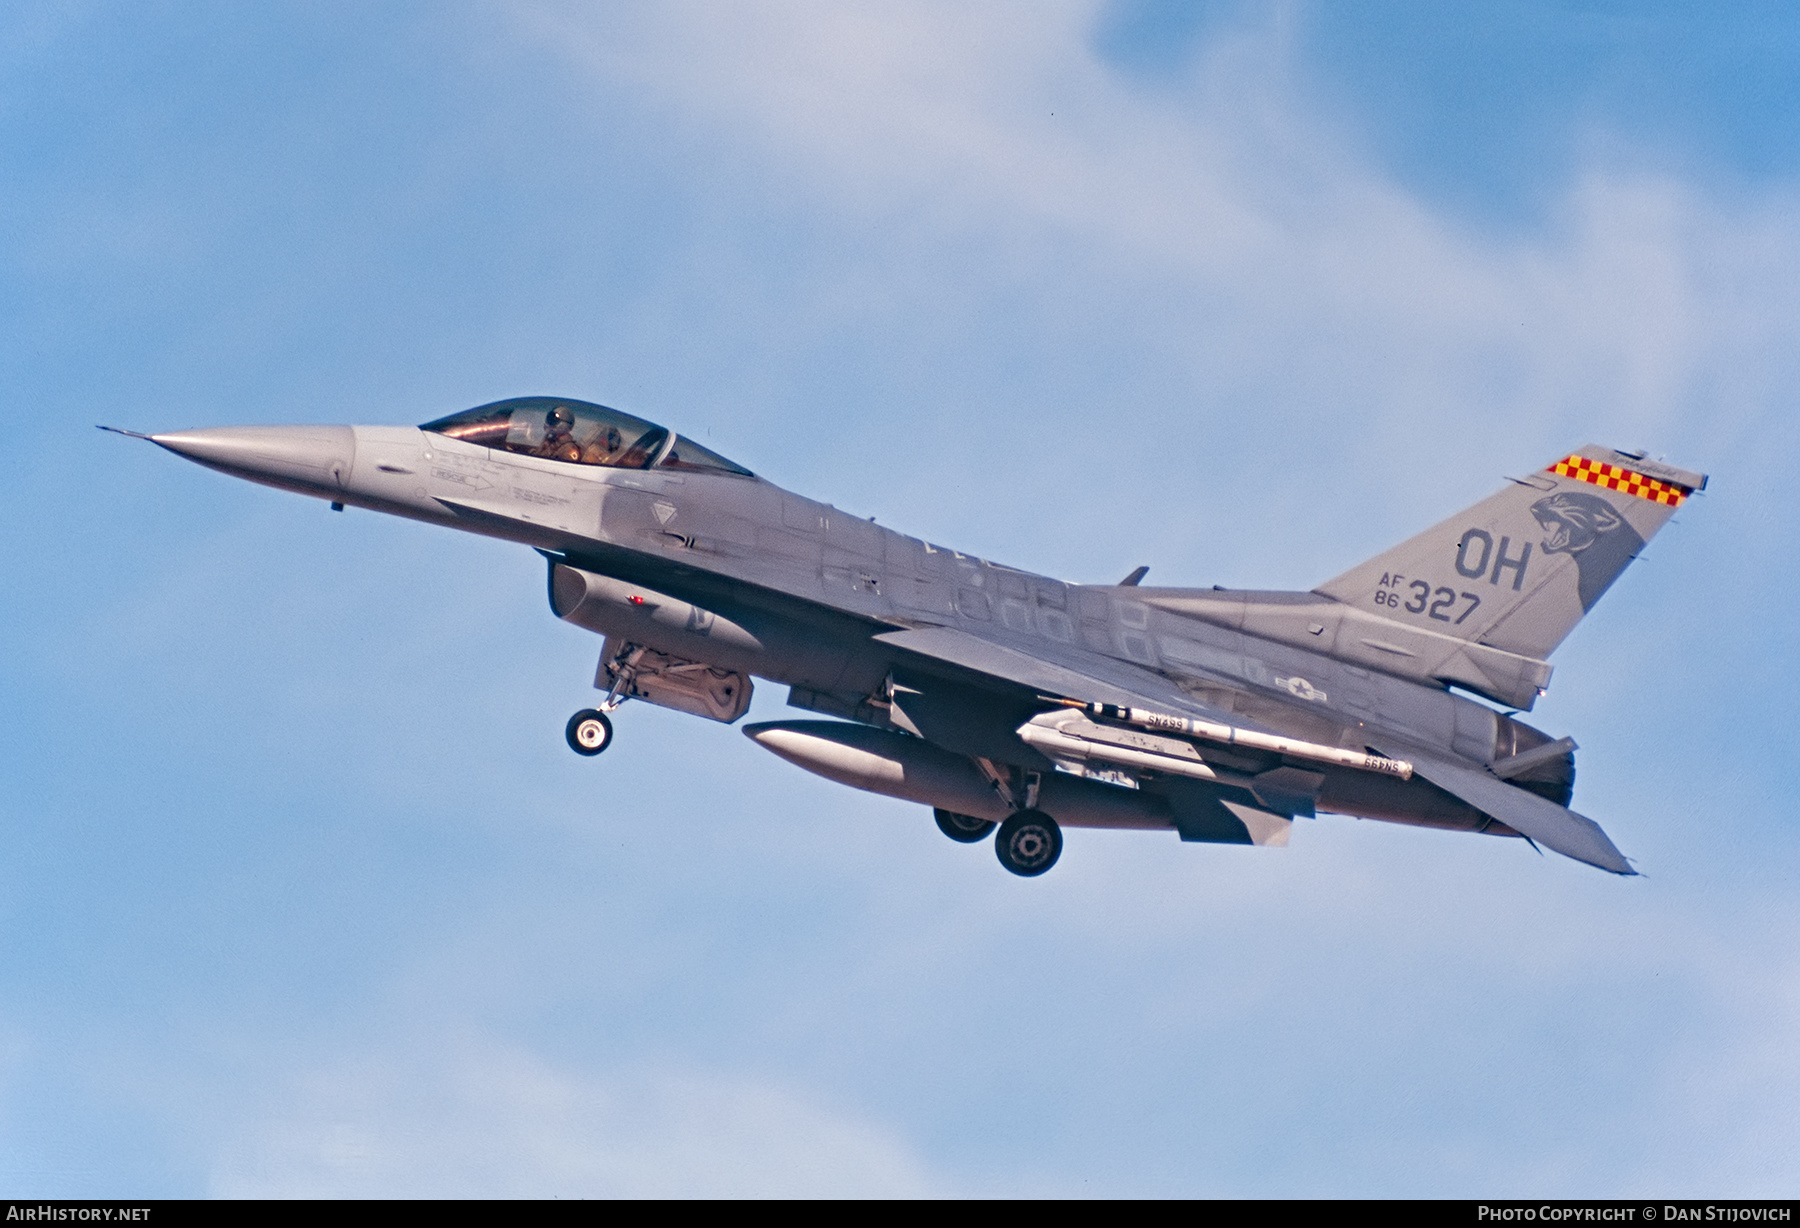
(1099, 680)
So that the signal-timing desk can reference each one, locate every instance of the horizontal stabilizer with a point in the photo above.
(1514, 766)
(1538, 818)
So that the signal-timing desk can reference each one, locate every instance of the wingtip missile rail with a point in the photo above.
(1250, 739)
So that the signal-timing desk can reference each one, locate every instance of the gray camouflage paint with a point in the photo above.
(920, 641)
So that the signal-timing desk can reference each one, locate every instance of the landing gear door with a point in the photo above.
(631, 671)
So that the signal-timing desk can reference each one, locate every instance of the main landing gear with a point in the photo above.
(589, 732)
(962, 828)
(1028, 844)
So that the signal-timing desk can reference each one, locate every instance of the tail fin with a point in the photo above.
(1518, 570)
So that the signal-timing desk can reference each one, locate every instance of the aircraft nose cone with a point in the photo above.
(307, 457)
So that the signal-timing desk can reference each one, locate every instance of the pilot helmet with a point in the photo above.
(560, 419)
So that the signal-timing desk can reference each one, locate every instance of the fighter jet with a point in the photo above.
(1013, 703)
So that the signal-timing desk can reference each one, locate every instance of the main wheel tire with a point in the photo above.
(962, 828)
(589, 732)
(1029, 843)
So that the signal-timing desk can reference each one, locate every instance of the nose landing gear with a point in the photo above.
(1028, 843)
(589, 732)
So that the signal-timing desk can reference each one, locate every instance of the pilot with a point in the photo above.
(559, 440)
(602, 447)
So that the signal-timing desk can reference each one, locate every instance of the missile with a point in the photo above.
(1232, 735)
(1071, 739)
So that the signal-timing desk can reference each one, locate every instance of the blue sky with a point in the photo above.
(301, 891)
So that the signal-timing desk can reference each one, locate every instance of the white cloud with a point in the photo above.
(479, 1118)
(1234, 203)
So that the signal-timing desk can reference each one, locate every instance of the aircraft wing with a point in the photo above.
(1113, 682)
(1554, 827)
(1083, 676)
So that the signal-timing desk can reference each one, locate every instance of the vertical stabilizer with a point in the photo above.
(1518, 570)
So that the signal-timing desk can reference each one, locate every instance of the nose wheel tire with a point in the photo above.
(962, 828)
(589, 732)
(1029, 843)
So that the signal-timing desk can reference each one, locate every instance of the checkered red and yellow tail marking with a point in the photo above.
(1612, 477)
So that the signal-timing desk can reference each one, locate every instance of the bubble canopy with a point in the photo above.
(579, 433)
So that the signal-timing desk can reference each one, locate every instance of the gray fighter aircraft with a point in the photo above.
(1005, 699)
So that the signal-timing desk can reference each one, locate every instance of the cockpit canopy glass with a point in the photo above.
(686, 454)
(580, 433)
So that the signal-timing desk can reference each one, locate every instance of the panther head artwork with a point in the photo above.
(1592, 532)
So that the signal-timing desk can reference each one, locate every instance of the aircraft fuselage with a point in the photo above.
(799, 593)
